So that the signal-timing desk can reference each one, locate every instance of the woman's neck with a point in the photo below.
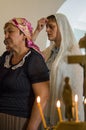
(58, 40)
(20, 51)
(18, 55)
(57, 43)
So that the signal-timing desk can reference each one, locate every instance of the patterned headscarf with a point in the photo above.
(25, 26)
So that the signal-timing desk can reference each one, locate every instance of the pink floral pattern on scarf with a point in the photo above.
(26, 28)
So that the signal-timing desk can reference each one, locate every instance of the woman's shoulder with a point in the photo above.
(2, 57)
(47, 51)
(36, 54)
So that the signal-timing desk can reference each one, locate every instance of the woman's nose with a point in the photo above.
(47, 29)
(6, 34)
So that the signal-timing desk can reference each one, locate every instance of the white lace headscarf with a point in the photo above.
(68, 46)
(68, 43)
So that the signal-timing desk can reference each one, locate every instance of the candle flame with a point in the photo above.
(76, 98)
(38, 99)
(85, 101)
(58, 103)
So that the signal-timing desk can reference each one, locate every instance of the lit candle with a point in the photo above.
(73, 108)
(85, 101)
(41, 113)
(76, 107)
(59, 110)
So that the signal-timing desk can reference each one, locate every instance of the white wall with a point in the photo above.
(32, 10)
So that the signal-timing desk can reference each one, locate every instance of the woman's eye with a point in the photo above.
(10, 31)
(51, 27)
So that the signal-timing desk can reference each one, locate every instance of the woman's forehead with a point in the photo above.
(50, 22)
(9, 25)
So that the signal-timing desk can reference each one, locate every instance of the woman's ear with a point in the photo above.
(24, 37)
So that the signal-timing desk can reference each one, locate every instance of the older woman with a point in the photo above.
(23, 77)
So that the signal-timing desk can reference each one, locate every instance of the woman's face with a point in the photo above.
(52, 31)
(13, 38)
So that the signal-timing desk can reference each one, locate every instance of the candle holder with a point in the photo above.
(67, 125)
(51, 128)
